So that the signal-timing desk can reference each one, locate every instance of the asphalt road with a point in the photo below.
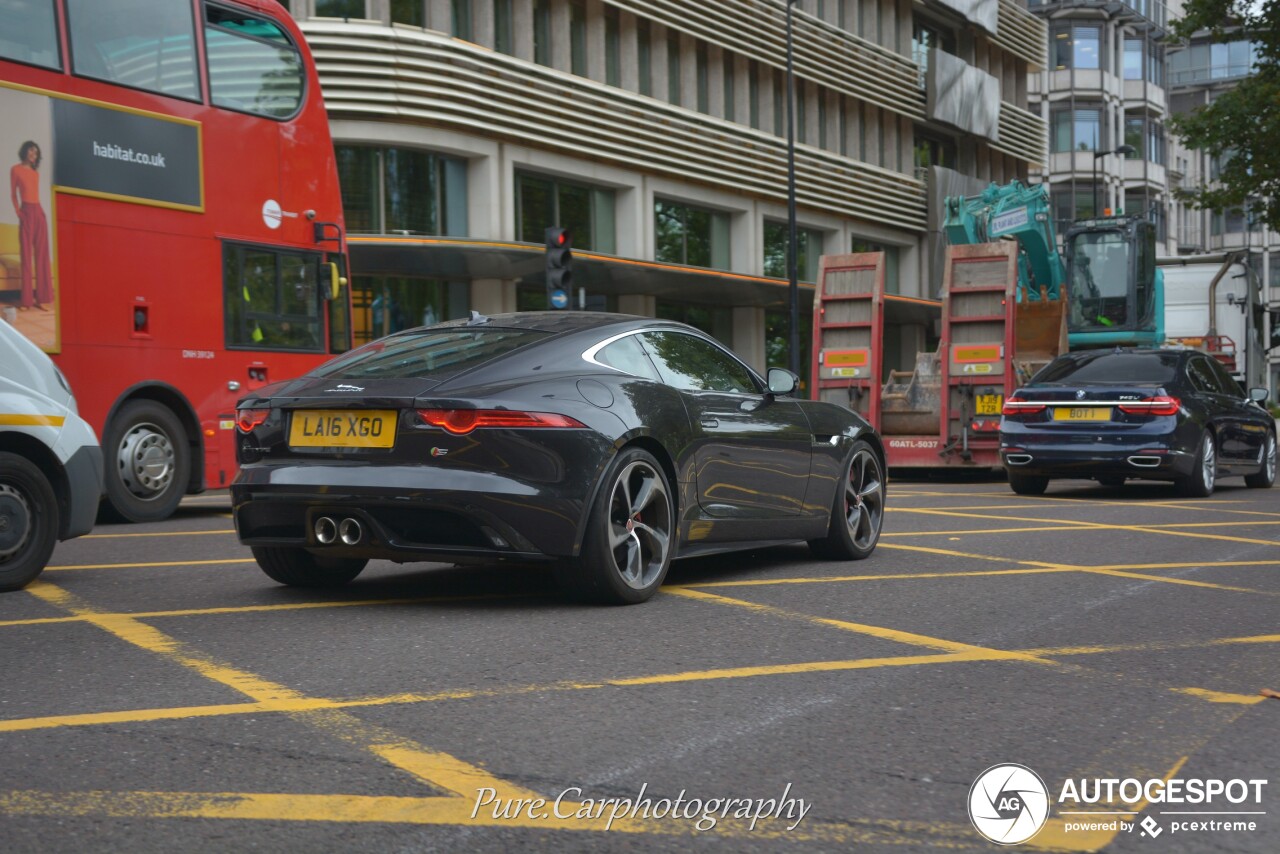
(162, 694)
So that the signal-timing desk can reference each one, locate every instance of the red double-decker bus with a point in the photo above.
(174, 234)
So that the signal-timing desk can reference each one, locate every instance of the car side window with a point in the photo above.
(627, 355)
(1225, 380)
(689, 363)
(1202, 378)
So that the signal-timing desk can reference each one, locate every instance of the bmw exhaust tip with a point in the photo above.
(1144, 461)
(326, 530)
(350, 532)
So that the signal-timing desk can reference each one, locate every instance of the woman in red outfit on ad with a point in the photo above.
(33, 228)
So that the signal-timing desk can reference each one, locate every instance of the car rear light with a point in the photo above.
(247, 419)
(1160, 405)
(1014, 406)
(463, 421)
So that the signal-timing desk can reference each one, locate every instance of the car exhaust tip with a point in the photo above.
(350, 532)
(326, 530)
(1144, 462)
(1017, 459)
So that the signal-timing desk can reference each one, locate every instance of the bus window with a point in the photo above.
(272, 302)
(253, 67)
(136, 43)
(29, 32)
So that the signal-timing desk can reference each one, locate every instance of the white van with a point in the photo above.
(50, 462)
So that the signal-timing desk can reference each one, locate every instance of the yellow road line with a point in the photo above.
(1222, 697)
(1184, 581)
(431, 766)
(767, 582)
(911, 638)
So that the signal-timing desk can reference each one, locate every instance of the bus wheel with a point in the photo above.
(147, 461)
(28, 521)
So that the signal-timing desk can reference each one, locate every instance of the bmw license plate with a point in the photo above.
(337, 428)
(988, 404)
(1082, 413)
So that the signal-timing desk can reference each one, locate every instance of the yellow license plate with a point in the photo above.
(337, 428)
(989, 404)
(1082, 413)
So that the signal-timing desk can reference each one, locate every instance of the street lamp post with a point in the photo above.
(793, 282)
(1125, 149)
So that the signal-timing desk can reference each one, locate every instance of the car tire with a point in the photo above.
(28, 521)
(630, 536)
(1266, 476)
(1112, 482)
(1204, 473)
(147, 462)
(857, 509)
(300, 568)
(1028, 484)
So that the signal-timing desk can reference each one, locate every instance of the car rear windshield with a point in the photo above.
(1110, 369)
(433, 353)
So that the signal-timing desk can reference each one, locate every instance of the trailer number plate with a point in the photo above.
(988, 404)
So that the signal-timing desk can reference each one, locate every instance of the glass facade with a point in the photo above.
(385, 304)
(588, 212)
(1080, 129)
(1075, 45)
(685, 234)
(808, 250)
(402, 191)
(1201, 63)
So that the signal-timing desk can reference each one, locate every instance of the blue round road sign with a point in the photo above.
(559, 299)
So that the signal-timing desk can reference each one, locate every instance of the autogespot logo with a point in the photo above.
(1008, 804)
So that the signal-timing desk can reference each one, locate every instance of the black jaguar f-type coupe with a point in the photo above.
(605, 444)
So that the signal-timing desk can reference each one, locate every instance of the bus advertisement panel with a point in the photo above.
(174, 231)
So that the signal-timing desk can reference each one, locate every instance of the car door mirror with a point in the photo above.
(1258, 395)
(782, 381)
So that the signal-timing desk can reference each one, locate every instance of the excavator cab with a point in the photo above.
(1112, 284)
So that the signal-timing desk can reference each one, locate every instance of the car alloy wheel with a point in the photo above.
(639, 524)
(864, 499)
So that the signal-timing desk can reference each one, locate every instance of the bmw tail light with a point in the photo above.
(247, 419)
(1017, 406)
(1160, 405)
(463, 421)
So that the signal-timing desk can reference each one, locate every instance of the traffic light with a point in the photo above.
(559, 267)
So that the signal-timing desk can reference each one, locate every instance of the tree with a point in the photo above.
(1242, 125)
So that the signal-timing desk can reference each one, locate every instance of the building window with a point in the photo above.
(382, 305)
(612, 51)
(644, 58)
(272, 299)
(934, 151)
(891, 283)
(924, 37)
(1078, 130)
(716, 321)
(779, 103)
(503, 37)
(673, 67)
(703, 74)
(809, 244)
(542, 32)
(689, 235)
(1070, 205)
(1135, 54)
(1076, 45)
(777, 343)
(340, 8)
(578, 37)
(729, 96)
(753, 93)
(401, 191)
(1134, 135)
(588, 212)
(462, 19)
(408, 12)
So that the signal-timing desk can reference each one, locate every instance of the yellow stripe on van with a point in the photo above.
(31, 420)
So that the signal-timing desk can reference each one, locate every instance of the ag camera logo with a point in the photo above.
(1008, 804)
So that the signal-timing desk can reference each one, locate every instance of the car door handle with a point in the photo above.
(710, 422)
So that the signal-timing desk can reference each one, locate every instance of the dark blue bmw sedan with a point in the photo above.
(1112, 415)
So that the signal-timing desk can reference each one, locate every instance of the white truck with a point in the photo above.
(50, 461)
(1211, 302)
